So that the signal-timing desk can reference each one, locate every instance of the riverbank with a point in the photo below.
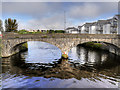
(24, 47)
(95, 46)
(18, 49)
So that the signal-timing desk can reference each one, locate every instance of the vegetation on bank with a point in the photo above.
(44, 32)
(24, 47)
(11, 25)
(1, 26)
(93, 45)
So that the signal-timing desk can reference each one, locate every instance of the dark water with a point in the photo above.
(40, 67)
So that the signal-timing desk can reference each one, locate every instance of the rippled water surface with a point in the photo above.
(41, 67)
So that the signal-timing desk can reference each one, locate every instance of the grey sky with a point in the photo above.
(39, 15)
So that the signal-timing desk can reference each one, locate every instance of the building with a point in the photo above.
(93, 28)
(100, 25)
(72, 30)
(109, 26)
(85, 28)
(118, 23)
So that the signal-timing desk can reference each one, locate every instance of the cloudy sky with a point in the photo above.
(50, 15)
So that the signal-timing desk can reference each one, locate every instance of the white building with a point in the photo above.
(109, 26)
(72, 30)
(106, 29)
(100, 25)
(118, 23)
(85, 28)
(93, 28)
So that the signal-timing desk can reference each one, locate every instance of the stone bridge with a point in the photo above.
(65, 42)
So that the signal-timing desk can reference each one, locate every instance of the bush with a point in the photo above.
(24, 47)
(17, 37)
(59, 31)
(64, 56)
(23, 32)
(97, 45)
(93, 45)
(44, 36)
(53, 36)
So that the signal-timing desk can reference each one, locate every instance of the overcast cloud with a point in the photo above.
(60, 0)
(50, 15)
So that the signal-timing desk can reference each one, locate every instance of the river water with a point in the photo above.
(41, 67)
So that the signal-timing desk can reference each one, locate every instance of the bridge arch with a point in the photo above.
(13, 46)
(109, 46)
(57, 51)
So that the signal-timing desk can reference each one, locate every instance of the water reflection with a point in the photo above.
(94, 58)
(63, 69)
(41, 52)
(85, 68)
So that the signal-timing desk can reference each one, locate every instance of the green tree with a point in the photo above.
(11, 25)
(1, 26)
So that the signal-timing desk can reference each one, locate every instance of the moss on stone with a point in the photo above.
(24, 47)
(64, 56)
(93, 45)
(44, 36)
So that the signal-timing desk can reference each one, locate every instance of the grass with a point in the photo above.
(17, 37)
(44, 36)
(38, 32)
(53, 36)
(64, 56)
(24, 47)
(93, 45)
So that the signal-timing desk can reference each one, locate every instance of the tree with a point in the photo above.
(11, 25)
(1, 27)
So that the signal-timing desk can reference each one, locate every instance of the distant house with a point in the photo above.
(85, 28)
(72, 30)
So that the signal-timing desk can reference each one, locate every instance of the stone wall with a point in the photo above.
(65, 42)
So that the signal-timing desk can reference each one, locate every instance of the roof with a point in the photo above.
(87, 24)
(102, 22)
(75, 30)
(117, 16)
(79, 26)
(71, 28)
(94, 23)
